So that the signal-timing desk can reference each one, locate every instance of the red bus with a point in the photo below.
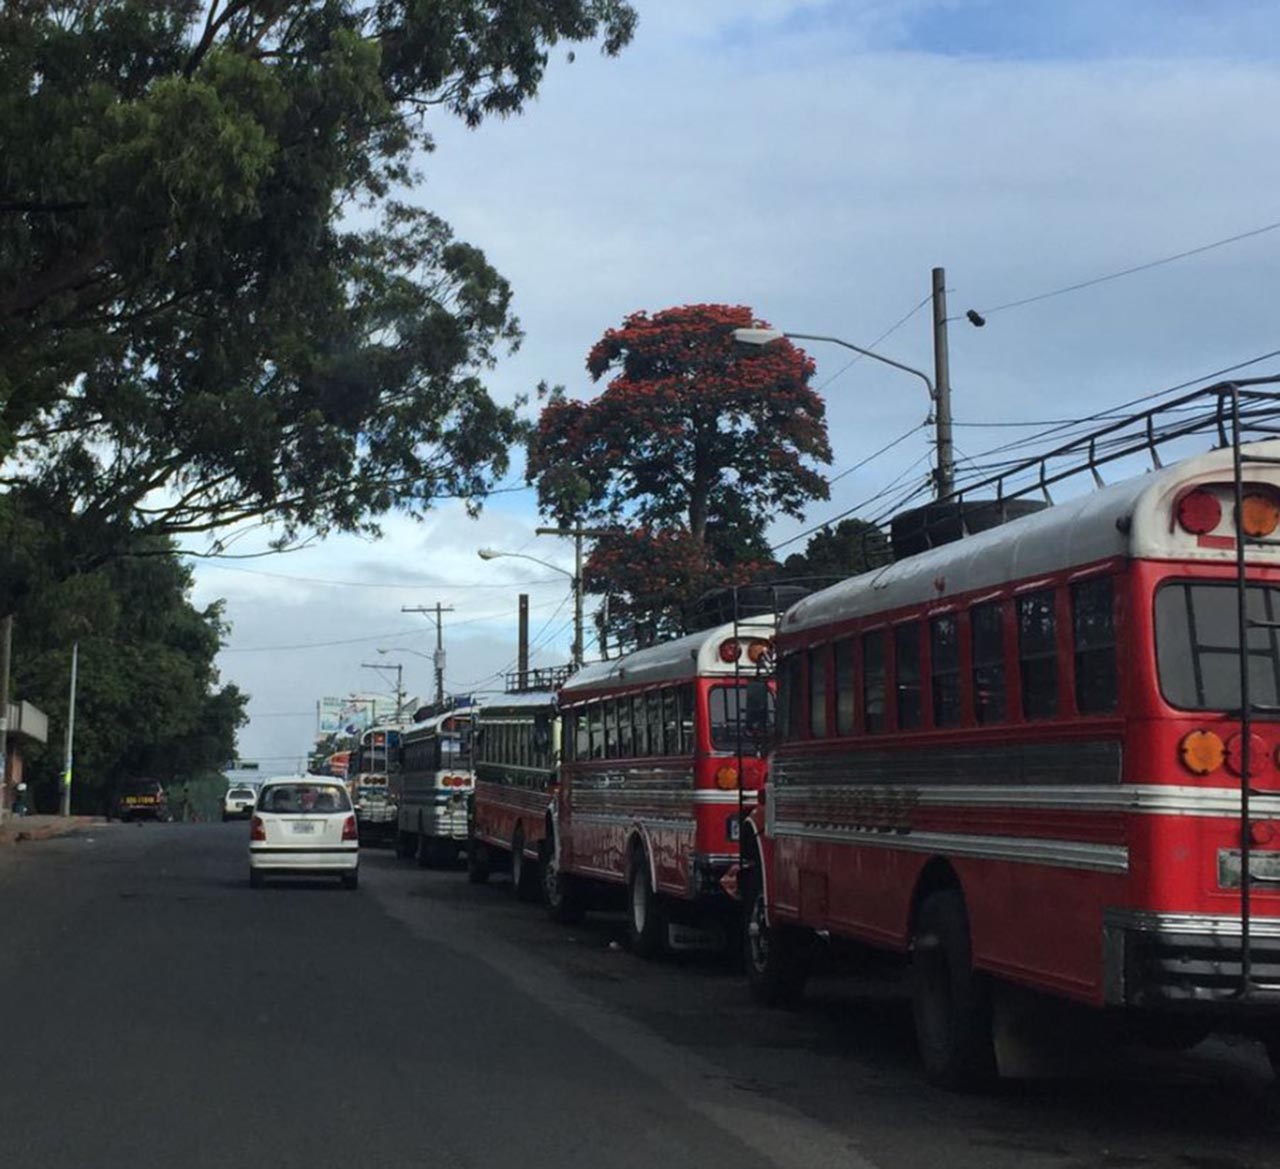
(657, 769)
(517, 750)
(1019, 757)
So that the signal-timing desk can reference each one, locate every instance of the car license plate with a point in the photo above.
(304, 827)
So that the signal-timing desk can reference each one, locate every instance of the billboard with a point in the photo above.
(353, 714)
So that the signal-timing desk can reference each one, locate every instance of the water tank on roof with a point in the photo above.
(922, 528)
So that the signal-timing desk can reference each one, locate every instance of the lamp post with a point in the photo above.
(574, 577)
(939, 395)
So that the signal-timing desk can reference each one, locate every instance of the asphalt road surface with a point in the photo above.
(157, 1012)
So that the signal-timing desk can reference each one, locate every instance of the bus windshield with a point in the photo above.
(727, 710)
(1198, 645)
(455, 750)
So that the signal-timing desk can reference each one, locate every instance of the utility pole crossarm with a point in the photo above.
(437, 611)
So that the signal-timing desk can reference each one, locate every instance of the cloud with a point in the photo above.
(815, 161)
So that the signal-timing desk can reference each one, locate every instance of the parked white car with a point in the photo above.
(238, 802)
(304, 825)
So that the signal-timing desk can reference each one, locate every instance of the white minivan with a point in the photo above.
(304, 825)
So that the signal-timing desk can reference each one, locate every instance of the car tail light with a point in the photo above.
(1259, 514)
(1199, 512)
(730, 650)
(257, 829)
(1202, 752)
(349, 829)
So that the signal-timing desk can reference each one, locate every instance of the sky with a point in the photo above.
(813, 159)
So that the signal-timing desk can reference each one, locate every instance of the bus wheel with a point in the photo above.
(404, 845)
(950, 1000)
(524, 876)
(560, 890)
(478, 862)
(778, 958)
(426, 852)
(646, 924)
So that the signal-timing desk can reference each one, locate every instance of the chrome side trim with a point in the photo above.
(1213, 925)
(724, 797)
(1071, 854)
(628, 819)
(1147, 799)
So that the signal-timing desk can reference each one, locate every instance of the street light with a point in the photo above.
(945, 480)
(574, 577)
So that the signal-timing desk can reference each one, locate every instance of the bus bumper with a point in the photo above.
(448, 821)
(1176, 961)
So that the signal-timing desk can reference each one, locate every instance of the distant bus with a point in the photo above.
(432, 787)
(517, 753)
(658, 771)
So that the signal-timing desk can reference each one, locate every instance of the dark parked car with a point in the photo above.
(140, 799)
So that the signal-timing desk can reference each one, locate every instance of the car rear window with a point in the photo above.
(241, 793)
(305, 797)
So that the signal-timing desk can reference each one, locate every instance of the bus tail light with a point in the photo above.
(1235, 754)
(727, 778)
(759, 651)
(1259, 514)
(1199, 512)
(1262, 832)
(1202, 752)
(730, 650)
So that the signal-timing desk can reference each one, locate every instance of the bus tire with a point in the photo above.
(479, 865)
(426, 852)
(404, 844)
(778, 958)
(646, 923)
(1270, 1040)
(524, 875)
(560, 891)
(951, 1001)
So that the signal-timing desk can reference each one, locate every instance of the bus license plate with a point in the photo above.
(1264, 867)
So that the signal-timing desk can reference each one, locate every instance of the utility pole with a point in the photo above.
(945, 478)
(6, 645)
(71, 732)
(399, 669)
(522, 650)
(438, 610)
(578, 534)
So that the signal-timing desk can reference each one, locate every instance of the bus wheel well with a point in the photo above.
(936, 876)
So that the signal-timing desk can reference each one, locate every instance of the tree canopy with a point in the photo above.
(149, 701)
(217, 302)
(831, 554)
(692, 448)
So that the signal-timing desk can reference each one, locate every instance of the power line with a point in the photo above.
(906, 434)
(366, 584)
(986, 312)
(857, 357)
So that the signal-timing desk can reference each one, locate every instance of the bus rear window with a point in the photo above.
(727, 710)
(1197, 645)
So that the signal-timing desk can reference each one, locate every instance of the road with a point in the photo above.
(160, 1013)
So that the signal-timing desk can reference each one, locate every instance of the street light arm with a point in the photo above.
(924, 377)
(493, 554)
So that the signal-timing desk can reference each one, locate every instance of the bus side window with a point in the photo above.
(792, 696)
(685, 694)
(818, 692)
(596, 730)
(844, 687)
(986, 623)
(906, 664)
(873, 680)
(1094, 635)
(626, 735)
(653, 719)
(670, 721)
(944, 667)
(1038, 654)
(610, 728)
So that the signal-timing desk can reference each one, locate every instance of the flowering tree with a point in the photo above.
(693, 447)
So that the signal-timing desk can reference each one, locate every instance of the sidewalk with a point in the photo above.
(18, 829)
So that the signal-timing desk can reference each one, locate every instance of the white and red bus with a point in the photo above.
(1019, 757)
(657, 769)
(517, 752)
(432, 787)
